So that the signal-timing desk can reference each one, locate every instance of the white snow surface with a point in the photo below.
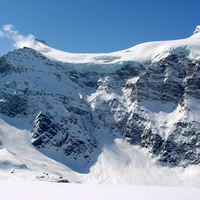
(23, 190)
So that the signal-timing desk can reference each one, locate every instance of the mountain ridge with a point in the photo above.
(148, 50)
(80, 109)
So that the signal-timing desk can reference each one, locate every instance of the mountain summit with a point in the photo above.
(130, 116)
(197, 30)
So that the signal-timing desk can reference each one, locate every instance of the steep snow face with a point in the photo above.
(100, 113)
(20, 160)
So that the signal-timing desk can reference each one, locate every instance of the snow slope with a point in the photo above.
(20, 160)
(120, 163)
(117, 163)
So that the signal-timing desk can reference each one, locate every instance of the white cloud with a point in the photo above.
(8, 27)
(1, 34)
(18, 40)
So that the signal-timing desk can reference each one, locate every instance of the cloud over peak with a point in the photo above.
(18, 40)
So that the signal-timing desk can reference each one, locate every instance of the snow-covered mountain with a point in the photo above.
(130, 116)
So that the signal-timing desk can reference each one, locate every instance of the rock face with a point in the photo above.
(154, 105)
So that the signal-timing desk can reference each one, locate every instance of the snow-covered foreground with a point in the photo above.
(14, 190)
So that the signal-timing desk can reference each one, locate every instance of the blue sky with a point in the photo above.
(98, 25)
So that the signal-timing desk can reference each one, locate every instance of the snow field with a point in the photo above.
(34, 190)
